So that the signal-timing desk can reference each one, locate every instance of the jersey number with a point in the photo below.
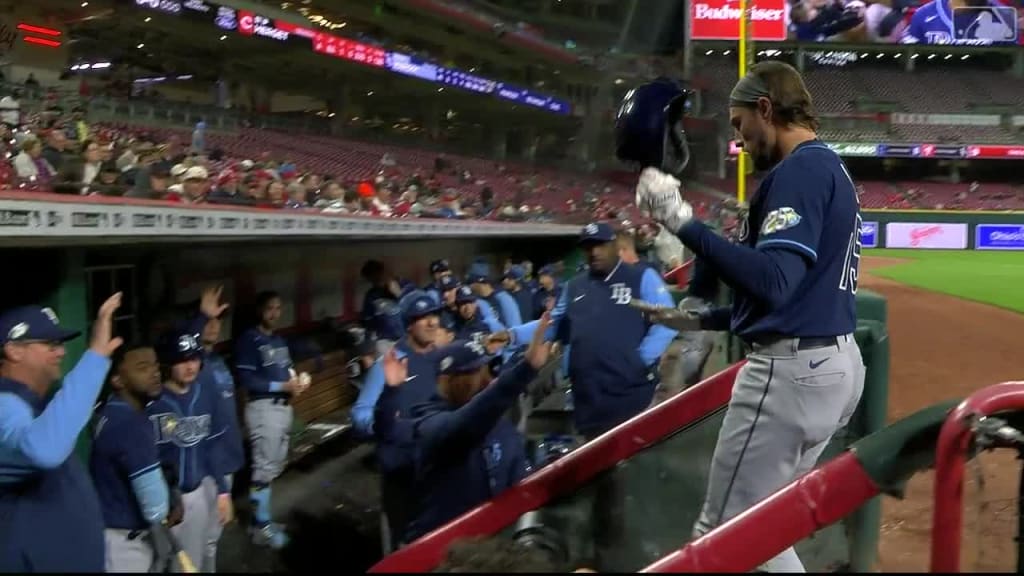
(851, 264)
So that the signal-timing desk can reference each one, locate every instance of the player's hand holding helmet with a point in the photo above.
(658, 197)
(649, 134)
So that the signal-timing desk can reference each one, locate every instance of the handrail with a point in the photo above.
(566, 474)
(950, 459)
(821, 497)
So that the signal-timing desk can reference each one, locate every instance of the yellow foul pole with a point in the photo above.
(746, 47)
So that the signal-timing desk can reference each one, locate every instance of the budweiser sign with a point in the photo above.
(720, 19)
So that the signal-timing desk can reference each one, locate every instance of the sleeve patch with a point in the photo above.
(780, 219)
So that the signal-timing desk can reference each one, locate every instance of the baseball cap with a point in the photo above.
(515, 273)
(176, 346)
(477, 277)
(547, 270)
(462, 356)
(464, 295)
(597, 232)
(196, 173)
(439, 266)
(416, 305)
(448, 283)
(33, 324)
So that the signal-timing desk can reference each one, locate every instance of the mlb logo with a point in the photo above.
(988, 24)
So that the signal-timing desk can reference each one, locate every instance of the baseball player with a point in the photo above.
(232, 452)
(794, 275)
(124, 461)
(937, 22)
(264, 368)
(548, 290)
(380, 314)
(514, 283)
(439, 269)
(471, 322)
(50, 517)
(188, 422)
(395, 455)
(505, 307)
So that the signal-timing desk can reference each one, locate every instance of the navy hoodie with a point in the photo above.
(464, 455)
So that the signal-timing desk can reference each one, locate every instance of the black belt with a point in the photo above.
(805, 343)
(280, 400)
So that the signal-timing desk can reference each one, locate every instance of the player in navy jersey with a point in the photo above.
(188, 422)
(794, 275)
(264, 368)
(124, 462)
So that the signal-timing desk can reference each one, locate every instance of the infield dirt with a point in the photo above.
(945, 348)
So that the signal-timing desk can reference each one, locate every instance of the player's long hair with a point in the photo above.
(791, 102)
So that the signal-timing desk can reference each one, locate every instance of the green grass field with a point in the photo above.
(991, 277)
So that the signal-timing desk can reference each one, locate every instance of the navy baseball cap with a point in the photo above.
(464, 295)
(33, 324)
(416, 305)
(477, 278)
(597, 232)
(548, 270)
(515, 273)
(448, 283)
(462, 356)
(177, 346)
(439, 266)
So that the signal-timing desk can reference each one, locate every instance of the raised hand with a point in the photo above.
(209, 302)
(103, 341)
(539, 351)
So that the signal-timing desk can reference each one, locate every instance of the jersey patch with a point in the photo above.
(780, 219)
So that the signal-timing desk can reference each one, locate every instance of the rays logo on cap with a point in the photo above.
(17, 331)
(446, 363)
(421, 304)
(591, 229)
(187, 342)
(49, 313)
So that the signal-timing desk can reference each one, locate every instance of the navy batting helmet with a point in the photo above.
(649, 126)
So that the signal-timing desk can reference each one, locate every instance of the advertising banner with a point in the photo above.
(869, 234)
(999, 237)
(720, 20)
(948, 236)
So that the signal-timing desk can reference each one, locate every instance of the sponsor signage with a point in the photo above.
(720, 19)
(999, 237)
(993, 151)
(410, 66)
(869, 234)
(951, 236)
(853, 148)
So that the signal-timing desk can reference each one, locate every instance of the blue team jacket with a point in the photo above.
(464, 455)
(232, 452)
(188, 428)
(50, 516)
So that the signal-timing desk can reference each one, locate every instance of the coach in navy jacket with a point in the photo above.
(615, 351)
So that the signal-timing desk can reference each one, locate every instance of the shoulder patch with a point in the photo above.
(780, 219)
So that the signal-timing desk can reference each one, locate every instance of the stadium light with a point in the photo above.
(42, 42)
(38, 30)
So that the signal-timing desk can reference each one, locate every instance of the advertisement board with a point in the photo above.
(926, 235)
(999, 237)
(869, 234)
(720, 19)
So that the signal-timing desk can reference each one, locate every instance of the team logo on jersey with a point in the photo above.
(182, 432)
(780, 219)
(272, 355)
(492, 455)
(621, 294)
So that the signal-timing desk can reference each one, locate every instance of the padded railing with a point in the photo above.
(951, 453)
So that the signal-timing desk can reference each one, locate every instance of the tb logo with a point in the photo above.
(621, 293)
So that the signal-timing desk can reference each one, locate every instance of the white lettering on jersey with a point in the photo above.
(183, 432)
(621, 293)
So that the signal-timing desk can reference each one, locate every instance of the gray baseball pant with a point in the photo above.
(213, 536)
(126, 554)
(200, 512)
(785, 406)
(270, 426)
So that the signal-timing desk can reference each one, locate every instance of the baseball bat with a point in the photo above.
(183, 559)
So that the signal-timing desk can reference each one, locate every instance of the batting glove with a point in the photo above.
(658, 197)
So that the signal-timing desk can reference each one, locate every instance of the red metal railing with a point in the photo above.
(817, 499)
(950, 459)
(567, 474)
